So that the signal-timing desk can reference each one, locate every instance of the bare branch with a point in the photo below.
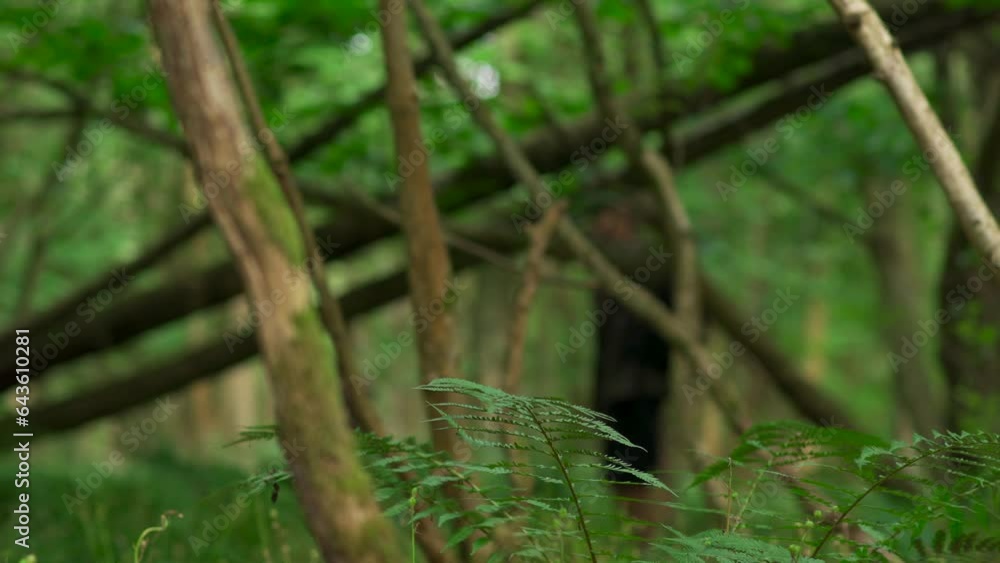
(332, 315)
(540, 235)
(891, 68)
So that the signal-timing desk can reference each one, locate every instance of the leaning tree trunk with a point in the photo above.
(260, 229)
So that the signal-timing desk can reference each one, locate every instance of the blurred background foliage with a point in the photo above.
(313, 59)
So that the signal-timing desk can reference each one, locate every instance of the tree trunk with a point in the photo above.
(429, 264)
(260, 230)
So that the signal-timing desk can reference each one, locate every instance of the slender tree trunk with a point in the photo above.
(430, 266)
(260, 230)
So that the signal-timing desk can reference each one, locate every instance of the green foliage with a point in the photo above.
(867, 498)
(106, 525)
(796, 493)
(808, 493)
(571, 513)
(552, 437)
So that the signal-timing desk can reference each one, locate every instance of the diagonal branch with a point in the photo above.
(82, 102)
(891, 69)
(540, 235)
(330, 310)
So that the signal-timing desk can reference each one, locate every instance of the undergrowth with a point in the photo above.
(537, 487)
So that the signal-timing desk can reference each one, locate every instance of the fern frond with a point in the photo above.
(255, 434)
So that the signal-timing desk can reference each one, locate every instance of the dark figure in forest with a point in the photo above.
(632, 369)
(632, 381)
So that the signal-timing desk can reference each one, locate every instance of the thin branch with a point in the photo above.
(332, 314)
(80, 100)
(36, 114)
(891, 68)
(66, 307)
(541, 235)
(26, 207)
